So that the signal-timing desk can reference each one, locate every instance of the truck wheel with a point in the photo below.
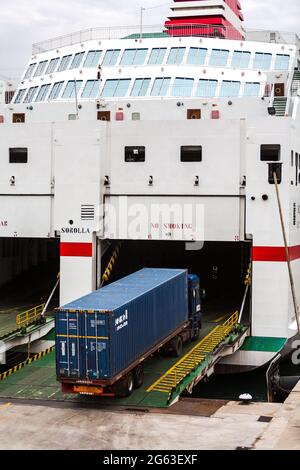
(176, 345)
(138, 376)
(125, 386)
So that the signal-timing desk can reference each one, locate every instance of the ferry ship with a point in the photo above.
(170, 146)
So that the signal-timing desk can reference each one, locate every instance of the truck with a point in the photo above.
(104, 338)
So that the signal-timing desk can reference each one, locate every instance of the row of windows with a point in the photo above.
(196, 56)
(188, 153)
(118, 88)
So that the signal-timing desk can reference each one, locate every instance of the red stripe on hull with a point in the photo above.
(80, 250)
(274, 253)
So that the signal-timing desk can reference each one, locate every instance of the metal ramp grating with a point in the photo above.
(193, 359)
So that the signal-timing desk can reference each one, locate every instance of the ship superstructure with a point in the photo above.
(109, 125)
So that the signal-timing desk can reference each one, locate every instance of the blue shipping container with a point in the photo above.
(103, 333)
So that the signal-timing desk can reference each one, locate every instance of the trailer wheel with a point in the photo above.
(176, 346)
(125, 386)
(138, 376)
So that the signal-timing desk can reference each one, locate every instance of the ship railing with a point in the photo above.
(295, 88)
(30, 316)
(135, 32)
(272, 36)
(163, 31)
(289, 93)
(272, 95)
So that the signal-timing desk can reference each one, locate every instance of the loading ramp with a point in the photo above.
(165, 378)
(19, 327)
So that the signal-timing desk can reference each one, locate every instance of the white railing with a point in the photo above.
(277, 37)
(289, 86)
(160, 31)
(123, 32)
(272, 95)
(295, 88)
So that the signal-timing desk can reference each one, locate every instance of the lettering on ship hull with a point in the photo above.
(77, 230)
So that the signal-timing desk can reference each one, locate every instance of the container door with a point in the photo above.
(97, 343)
(68, 344)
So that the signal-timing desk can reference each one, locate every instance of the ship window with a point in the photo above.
(111, 57)
(140, 87)
(270, 153)
(30, 70)
(31, 94)
(206, 88)
(182, 87)
(71, 86)
(43, 92)
(64, 64)
(77, 60)
(91, 89)
(176, 55)
(157, 56)
(135, 154)
(56, 89)
(191, 153)
(92, 59)
(219, 57)
(52, 65)
(20, 96)
(240, 59)
(116, 88)
(230, 89)
(262, 61)
(18, 155)
(160, 86)
(196, 56)
(282, 62)
(251, 89)
(134, 57)
(41, 68)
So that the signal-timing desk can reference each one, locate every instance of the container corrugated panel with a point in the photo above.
(102, 333)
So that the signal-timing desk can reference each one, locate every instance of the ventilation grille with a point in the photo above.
(87, 212)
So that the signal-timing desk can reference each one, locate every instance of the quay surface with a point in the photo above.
(190, 424)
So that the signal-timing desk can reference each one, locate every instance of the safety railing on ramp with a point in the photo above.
(30, 316)
(194, 358)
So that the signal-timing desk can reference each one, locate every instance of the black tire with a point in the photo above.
(176, 345)
(138, 376)
(125, 386)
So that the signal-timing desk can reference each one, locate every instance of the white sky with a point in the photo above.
(23, 22)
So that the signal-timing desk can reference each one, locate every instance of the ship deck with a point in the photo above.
(37, 381)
